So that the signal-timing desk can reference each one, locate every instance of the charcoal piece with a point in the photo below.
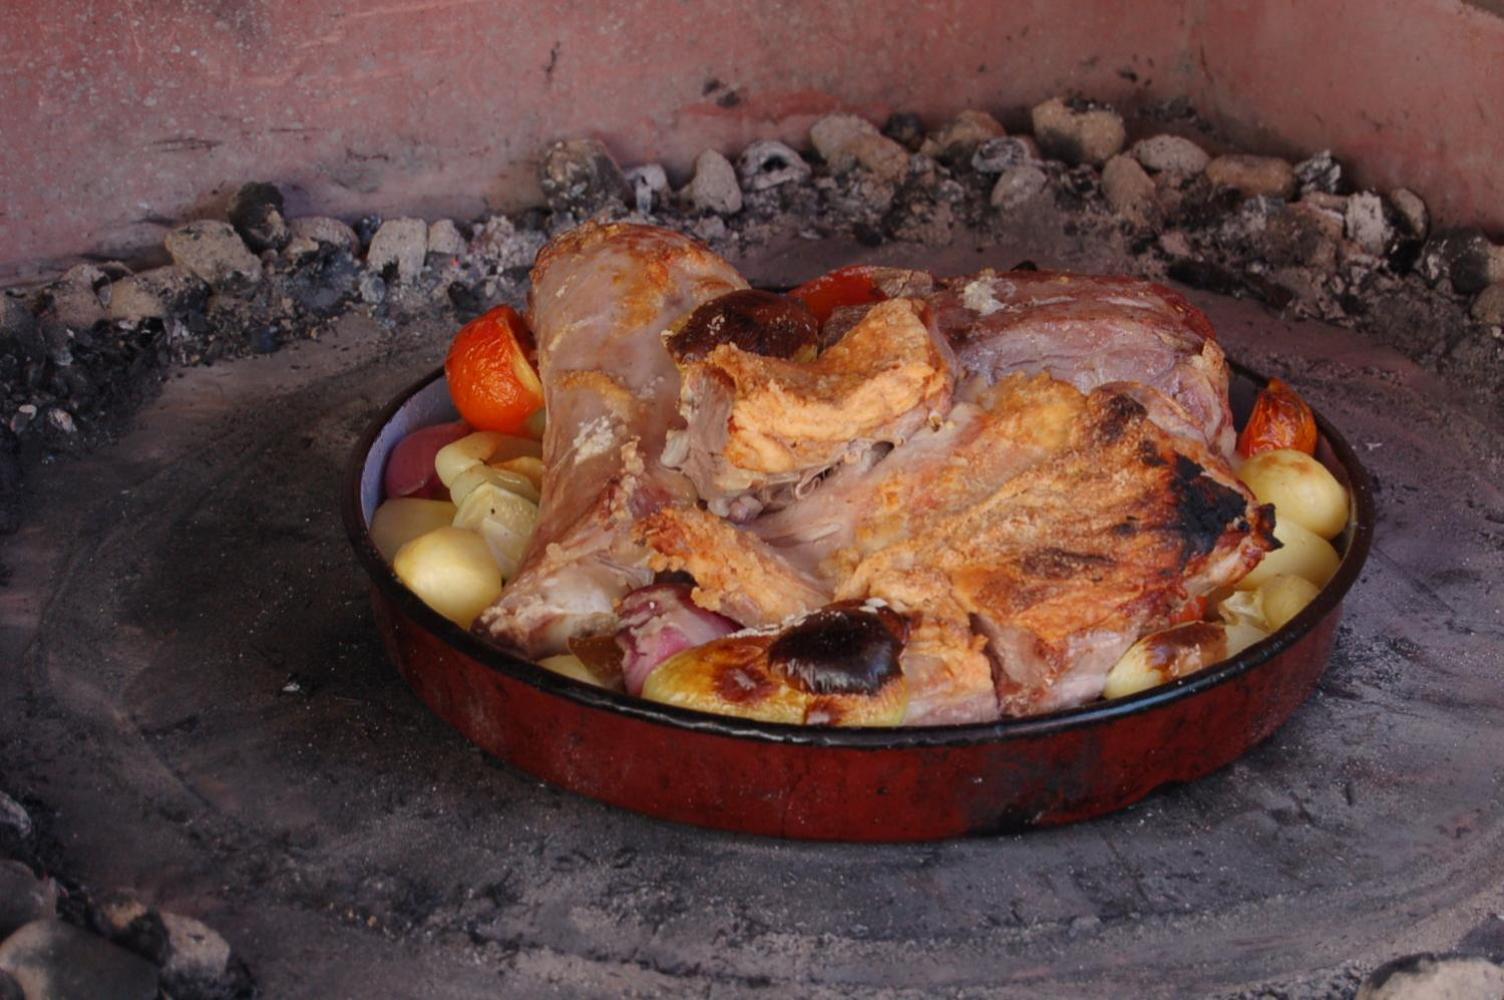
(23, 897)
(906, 129)
(464, 301)
(320, 230)
(366, 227)
(1426, 975)
(1170, 154)
(19, 335)
(323, 282)
(714, 187)
(156, 294)
(1213, 277)
(215, 252)
(255, 210)
(1017, 186)
(399, 249)
(198, 964)
(1461, 256)
(954, 142)
(1077, 131)
(649, 184)
(1321, 172)
(846, 142)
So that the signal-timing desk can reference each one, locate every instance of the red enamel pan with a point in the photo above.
(845, 784)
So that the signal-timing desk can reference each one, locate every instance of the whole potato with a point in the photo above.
(1284, 597)
(451, 569)
(401, 519)
(1301, 489)
(1302, 553)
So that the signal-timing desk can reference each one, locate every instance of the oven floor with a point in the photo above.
(195, 695)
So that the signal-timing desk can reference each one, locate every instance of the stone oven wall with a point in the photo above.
(119, 119)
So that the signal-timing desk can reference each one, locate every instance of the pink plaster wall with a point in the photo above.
(118, 117)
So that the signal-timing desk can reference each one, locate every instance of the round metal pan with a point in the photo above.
(845, 784)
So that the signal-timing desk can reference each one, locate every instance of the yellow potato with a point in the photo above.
(1241, 635)
(1283, 597)
(536, 424)
(1303, 554)
(1166, 655)
(401, 519)
(1301, 489)
(1243, 607)
(451, 569)
(477, 475)
(732, 676)
(569, 665)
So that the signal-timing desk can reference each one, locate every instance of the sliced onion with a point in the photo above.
(659, 621)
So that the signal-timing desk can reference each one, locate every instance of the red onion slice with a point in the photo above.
(659, 621)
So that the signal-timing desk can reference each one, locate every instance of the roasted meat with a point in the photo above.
(602, 296)
(760, 431)
(1015, 475)
(1091, 331)
(734, 571)
(1035, 537)
(1062, 566)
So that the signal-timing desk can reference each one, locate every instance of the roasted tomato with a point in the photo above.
(846, 286)
(490, 379)
(1280, 419)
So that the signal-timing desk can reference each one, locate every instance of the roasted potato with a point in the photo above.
(1283, 597)
(1301, 489)
(1302, 553)
(504, 520)
(1175, 652)
(513, 482)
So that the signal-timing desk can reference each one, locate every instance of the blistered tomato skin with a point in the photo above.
(1280, 419)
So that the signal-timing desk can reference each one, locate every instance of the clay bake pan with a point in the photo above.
(845, 784)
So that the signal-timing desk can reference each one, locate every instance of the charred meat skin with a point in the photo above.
(750, 320)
